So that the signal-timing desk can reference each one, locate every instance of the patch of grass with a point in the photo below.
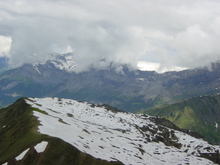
(38, 110)
(69, 155)
(20, 129)
(20, 133)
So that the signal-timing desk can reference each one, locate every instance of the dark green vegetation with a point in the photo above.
(200, 114)
(18, 132)
(127, 90)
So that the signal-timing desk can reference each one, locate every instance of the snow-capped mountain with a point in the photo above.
(66, 62)
(61, 61)
(109, 134)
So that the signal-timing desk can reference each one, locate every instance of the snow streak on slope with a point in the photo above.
(19, 157)
(129, 138)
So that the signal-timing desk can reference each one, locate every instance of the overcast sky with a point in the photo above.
(172, 32)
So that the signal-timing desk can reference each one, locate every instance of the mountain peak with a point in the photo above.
(66, 62)
(60, 61)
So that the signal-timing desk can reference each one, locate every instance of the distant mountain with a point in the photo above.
(130, 90)
(61, 61)
(200, 114)
(63, 131)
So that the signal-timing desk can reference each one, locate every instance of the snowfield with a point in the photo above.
(115, 136)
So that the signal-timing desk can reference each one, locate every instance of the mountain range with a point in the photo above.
(130, 90)
(64, 131)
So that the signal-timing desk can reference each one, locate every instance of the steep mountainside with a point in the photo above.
(200, 114)
(21, 143)
(128, 90)
(64, 131)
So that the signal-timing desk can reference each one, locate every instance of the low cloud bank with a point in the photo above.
(185, 34)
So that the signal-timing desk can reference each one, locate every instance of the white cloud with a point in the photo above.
(184, 33)
(5, 44)
(195, 47)
(215, 26)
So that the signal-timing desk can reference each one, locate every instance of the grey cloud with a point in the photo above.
(170, 32)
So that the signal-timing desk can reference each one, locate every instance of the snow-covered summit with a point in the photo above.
(116, 135)
(60, 61)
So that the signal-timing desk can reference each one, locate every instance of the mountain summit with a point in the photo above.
(61, 61)
(31, 129)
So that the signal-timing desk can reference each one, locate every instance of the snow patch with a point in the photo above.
(40, 147)
(6, 163)
(216, 125)
(20, 157)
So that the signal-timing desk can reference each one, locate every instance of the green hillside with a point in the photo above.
(200, 114)
(18, 132)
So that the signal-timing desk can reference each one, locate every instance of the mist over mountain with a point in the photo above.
(116, 85)
(174, 33)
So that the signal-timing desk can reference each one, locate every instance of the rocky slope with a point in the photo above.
(200, 114)
(64, 131)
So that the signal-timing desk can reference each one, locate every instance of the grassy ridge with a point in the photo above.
(18, 129)
(200, 114)
(18, 132)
